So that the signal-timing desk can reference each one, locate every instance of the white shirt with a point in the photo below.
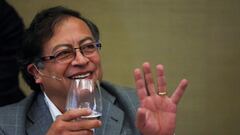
(52, 108)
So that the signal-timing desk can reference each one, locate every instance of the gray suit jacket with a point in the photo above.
(32, 117)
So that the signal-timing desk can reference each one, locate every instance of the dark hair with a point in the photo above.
(39, 32)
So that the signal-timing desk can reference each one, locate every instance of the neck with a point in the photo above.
(59, 102)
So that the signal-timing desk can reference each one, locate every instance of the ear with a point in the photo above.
(32, 69)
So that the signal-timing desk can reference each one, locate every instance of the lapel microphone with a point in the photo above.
(48, 76)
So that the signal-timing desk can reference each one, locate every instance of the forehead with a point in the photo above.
(71, 30)
(70, 22)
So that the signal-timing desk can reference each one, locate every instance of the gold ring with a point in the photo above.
(162, 93)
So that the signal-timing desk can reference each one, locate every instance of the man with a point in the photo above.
(61, 45)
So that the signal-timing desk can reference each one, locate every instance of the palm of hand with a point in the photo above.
(160, 115)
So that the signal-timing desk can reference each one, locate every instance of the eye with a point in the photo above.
(64, 54)
(88, 48)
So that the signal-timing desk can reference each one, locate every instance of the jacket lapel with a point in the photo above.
(123, 106)
(112, 117)
(39, 117)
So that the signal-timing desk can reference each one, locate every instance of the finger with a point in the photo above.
(148, 78)
(140, 84)
(178, 93)
(141, 117)
(74, 114)
(81, 132)
(83, 124)
(162, 85)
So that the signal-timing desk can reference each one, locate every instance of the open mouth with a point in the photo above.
(82, 76)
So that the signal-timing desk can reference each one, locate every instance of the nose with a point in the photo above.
(79, 59)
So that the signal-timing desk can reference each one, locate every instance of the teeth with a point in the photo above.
(81, 76)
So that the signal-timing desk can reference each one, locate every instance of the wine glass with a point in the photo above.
(85, 93)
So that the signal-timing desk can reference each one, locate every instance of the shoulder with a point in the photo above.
(13, 113)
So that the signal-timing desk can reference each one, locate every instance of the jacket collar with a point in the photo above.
(112, 117)
(38, 117)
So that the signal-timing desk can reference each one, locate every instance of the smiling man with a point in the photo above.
(61, 45)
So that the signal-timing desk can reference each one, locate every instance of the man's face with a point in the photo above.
(72, 32)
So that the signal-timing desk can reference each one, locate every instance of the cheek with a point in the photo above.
(97, 63)
(57, 70)
(55, 78)
(99, 70)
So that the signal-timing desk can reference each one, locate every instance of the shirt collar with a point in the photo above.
(52, 108)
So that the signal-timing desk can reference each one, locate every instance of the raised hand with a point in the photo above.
(157, 112)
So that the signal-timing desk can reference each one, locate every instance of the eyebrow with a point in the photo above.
(85, 39)
(79, 42)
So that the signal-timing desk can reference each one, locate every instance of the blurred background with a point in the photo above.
(194, 39)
